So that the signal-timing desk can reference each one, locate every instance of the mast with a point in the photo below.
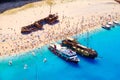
(36, 72)
(77, 25)
(87, 38)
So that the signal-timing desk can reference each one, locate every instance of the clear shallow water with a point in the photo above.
(105, 67)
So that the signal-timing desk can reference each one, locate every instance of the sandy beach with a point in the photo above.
(75, 17)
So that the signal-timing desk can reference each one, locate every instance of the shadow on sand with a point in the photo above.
(4, 5)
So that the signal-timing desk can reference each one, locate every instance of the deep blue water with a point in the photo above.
(105, 67)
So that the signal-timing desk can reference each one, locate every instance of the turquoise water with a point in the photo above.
(105, 67)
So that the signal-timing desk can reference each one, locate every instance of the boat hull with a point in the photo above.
(80, 51)
(107, 28)
(116, 23)
(59, 55)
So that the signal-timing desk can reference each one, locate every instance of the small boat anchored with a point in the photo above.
(111, 24)
(116, 22)
(63, 52)
(107, 27)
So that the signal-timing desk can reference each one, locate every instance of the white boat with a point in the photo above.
(111, 24)
(116, 22)
(108, 27)
(64, 53)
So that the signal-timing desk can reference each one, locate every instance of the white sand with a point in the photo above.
(70, 15)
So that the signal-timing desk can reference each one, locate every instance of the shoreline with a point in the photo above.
(14, 43)
(38, 47)
(42, 45)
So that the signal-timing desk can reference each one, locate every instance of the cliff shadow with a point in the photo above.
(10, 4)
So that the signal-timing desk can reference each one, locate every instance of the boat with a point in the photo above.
(116, 22)
(111, 24)
(107, 27)
(117, 1)
(78, 48)
(51, 19)
(31, 28)
(64, 52)
(38, 25)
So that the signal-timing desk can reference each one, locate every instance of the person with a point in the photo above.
(25, 66)
(45, 59)
(10, 62)
(33, 53)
